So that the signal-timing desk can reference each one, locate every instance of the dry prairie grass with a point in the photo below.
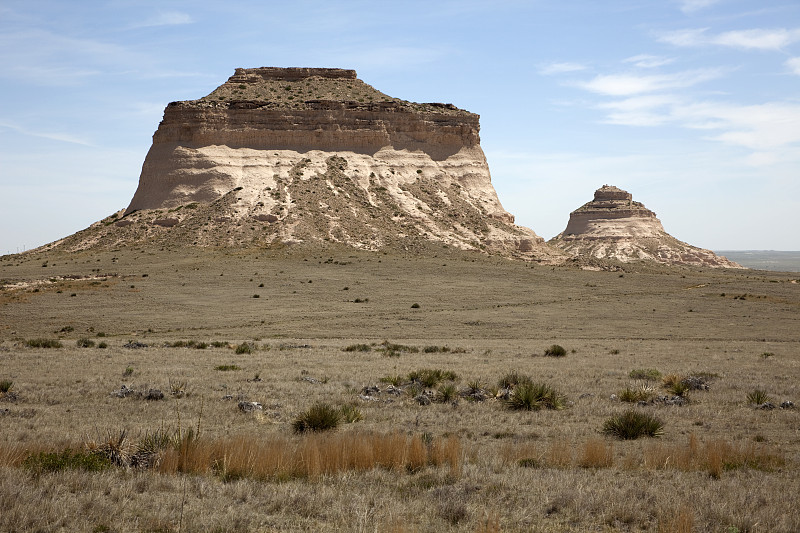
(311, 456)
(714, 456)
(460, 466)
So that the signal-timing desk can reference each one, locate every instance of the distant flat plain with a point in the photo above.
(779, 261)
(721, 464)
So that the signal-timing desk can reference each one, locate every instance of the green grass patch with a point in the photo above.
(46, 462)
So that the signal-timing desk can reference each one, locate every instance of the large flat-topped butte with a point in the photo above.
(315, 155)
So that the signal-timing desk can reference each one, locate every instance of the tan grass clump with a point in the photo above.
(311, 456)
(714, 456)
(681, 522)
(596, 453)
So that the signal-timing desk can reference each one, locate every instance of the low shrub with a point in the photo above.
(535, 396)
(225, 368)
(319, 417)
(435, 349)
(357, 348)
(43, 343)
(394, 350)
(85, 343)
(649, 374)
(555, 351)
(244, 348)
(633, 424)
(5, 386)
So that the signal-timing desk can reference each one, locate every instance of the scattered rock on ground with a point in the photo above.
(249, 407)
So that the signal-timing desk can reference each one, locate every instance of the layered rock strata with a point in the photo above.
(289, 155)
(614, 226)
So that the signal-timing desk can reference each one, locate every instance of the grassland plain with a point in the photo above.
(172, 319)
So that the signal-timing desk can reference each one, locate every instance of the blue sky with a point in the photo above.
(693, 106)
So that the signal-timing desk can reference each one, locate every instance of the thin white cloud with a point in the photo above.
(45, 58)
(633, 84)
(649, 110)
(62, 137)
(167, 18)
(690, 6)
(753, 39)
(649, 61)
(793, 64)
(772, 126)
(686, 37)
(771, 131)
(758, 38)
(560, 68)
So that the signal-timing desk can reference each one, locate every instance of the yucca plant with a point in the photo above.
(351, 413)
(5, 386)
(679, 388)
(642, 393)
(535, 396)
(512, 379)
(633, 424)
(446, 393)
(319, 417)
(395, 381)
(114, 447)
(758, 397)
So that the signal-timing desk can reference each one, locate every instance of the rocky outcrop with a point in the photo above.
(614, 226)
(290, 155)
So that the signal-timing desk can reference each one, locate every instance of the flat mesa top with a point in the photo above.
(305, 88)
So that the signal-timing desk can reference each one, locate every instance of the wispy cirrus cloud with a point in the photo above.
(649, 110)
(165, 18)
(752, 39)
(560, 68)
(793, 64)
(632, 84)
(61, 137)
(649, 61)
(46, 58)
(690, 6)
(770, 131)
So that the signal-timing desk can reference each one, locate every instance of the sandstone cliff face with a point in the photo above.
(613, 226)
(309, 155)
